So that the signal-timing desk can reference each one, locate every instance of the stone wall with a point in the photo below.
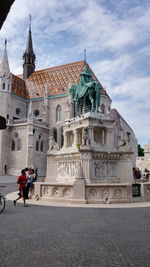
(92, 194)
(98, 167)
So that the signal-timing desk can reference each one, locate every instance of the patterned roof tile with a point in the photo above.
(56, 78)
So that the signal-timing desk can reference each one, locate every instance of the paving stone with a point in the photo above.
(73, 237)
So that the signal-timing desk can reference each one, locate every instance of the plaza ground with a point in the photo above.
(72, 236)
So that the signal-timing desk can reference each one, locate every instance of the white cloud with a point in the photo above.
(117, 40)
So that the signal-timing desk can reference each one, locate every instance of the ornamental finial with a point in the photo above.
(84, 54)
(30, 22)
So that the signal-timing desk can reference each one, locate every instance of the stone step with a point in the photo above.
(137, 199)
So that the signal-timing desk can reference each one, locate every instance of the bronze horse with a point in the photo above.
(86, 93)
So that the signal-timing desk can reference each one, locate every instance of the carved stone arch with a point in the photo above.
(42, 146)
(37, 145)
(3, 86)
(13, 145)
(19, 144)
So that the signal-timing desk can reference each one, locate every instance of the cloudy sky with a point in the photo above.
(116, 35)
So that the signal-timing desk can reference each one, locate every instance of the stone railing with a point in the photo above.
(41, 123)
(19, 121)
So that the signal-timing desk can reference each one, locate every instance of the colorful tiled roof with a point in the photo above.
(19, 87)
(56, 78)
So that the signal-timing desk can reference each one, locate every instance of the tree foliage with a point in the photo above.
(140, 151)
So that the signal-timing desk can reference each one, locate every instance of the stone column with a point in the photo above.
(75, 138)
(125, 164)
(91, 135)
(86, 158)
(109, 137)
(51, 173)
(103, 136)
(65, 139)
(79, 187)
(30, 153)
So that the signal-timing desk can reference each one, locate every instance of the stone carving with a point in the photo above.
(105, 169)
(118, 193)
(55, 191)
(92, 192)
(106, 196)
(105, 193)
(108, 156)
(45, 191)
(68, 102)
(66, 192)
(52, 144)
(124, 143)
(148, 188)
(86, 138)
(67, 168)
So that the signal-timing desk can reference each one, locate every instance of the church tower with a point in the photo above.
(5, 84)
(5, 108)
(28, 56)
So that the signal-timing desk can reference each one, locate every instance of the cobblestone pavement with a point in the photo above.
(58, 236)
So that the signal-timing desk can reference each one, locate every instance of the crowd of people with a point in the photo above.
(25, 180)
(143, 175)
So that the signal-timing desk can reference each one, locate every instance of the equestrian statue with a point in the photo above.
(86, 94)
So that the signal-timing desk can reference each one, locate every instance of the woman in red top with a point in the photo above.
(22, 181)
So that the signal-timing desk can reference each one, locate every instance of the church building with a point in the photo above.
(36, 104)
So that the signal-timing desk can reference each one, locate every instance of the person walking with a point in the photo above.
(22, 181)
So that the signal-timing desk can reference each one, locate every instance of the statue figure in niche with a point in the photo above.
(124, 143)
(86, 139)
(52, 144)
(86, 94)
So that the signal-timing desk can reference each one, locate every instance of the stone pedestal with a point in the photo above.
(93, 171)
(79, 187)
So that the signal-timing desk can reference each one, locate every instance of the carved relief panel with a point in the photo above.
(67, 169)
(105, 169)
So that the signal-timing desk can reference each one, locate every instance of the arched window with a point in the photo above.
(41, 146)
(62, 138)
(19, 145)
(37, 145)
(3, 86)
(13, 145)
(54, 132)
(58, 113)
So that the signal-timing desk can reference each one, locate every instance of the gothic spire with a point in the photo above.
(4, 63)
(29, 47)
(28, 56)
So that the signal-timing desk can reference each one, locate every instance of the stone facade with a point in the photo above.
(41, 106)
(144, 162)
(89, 168)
